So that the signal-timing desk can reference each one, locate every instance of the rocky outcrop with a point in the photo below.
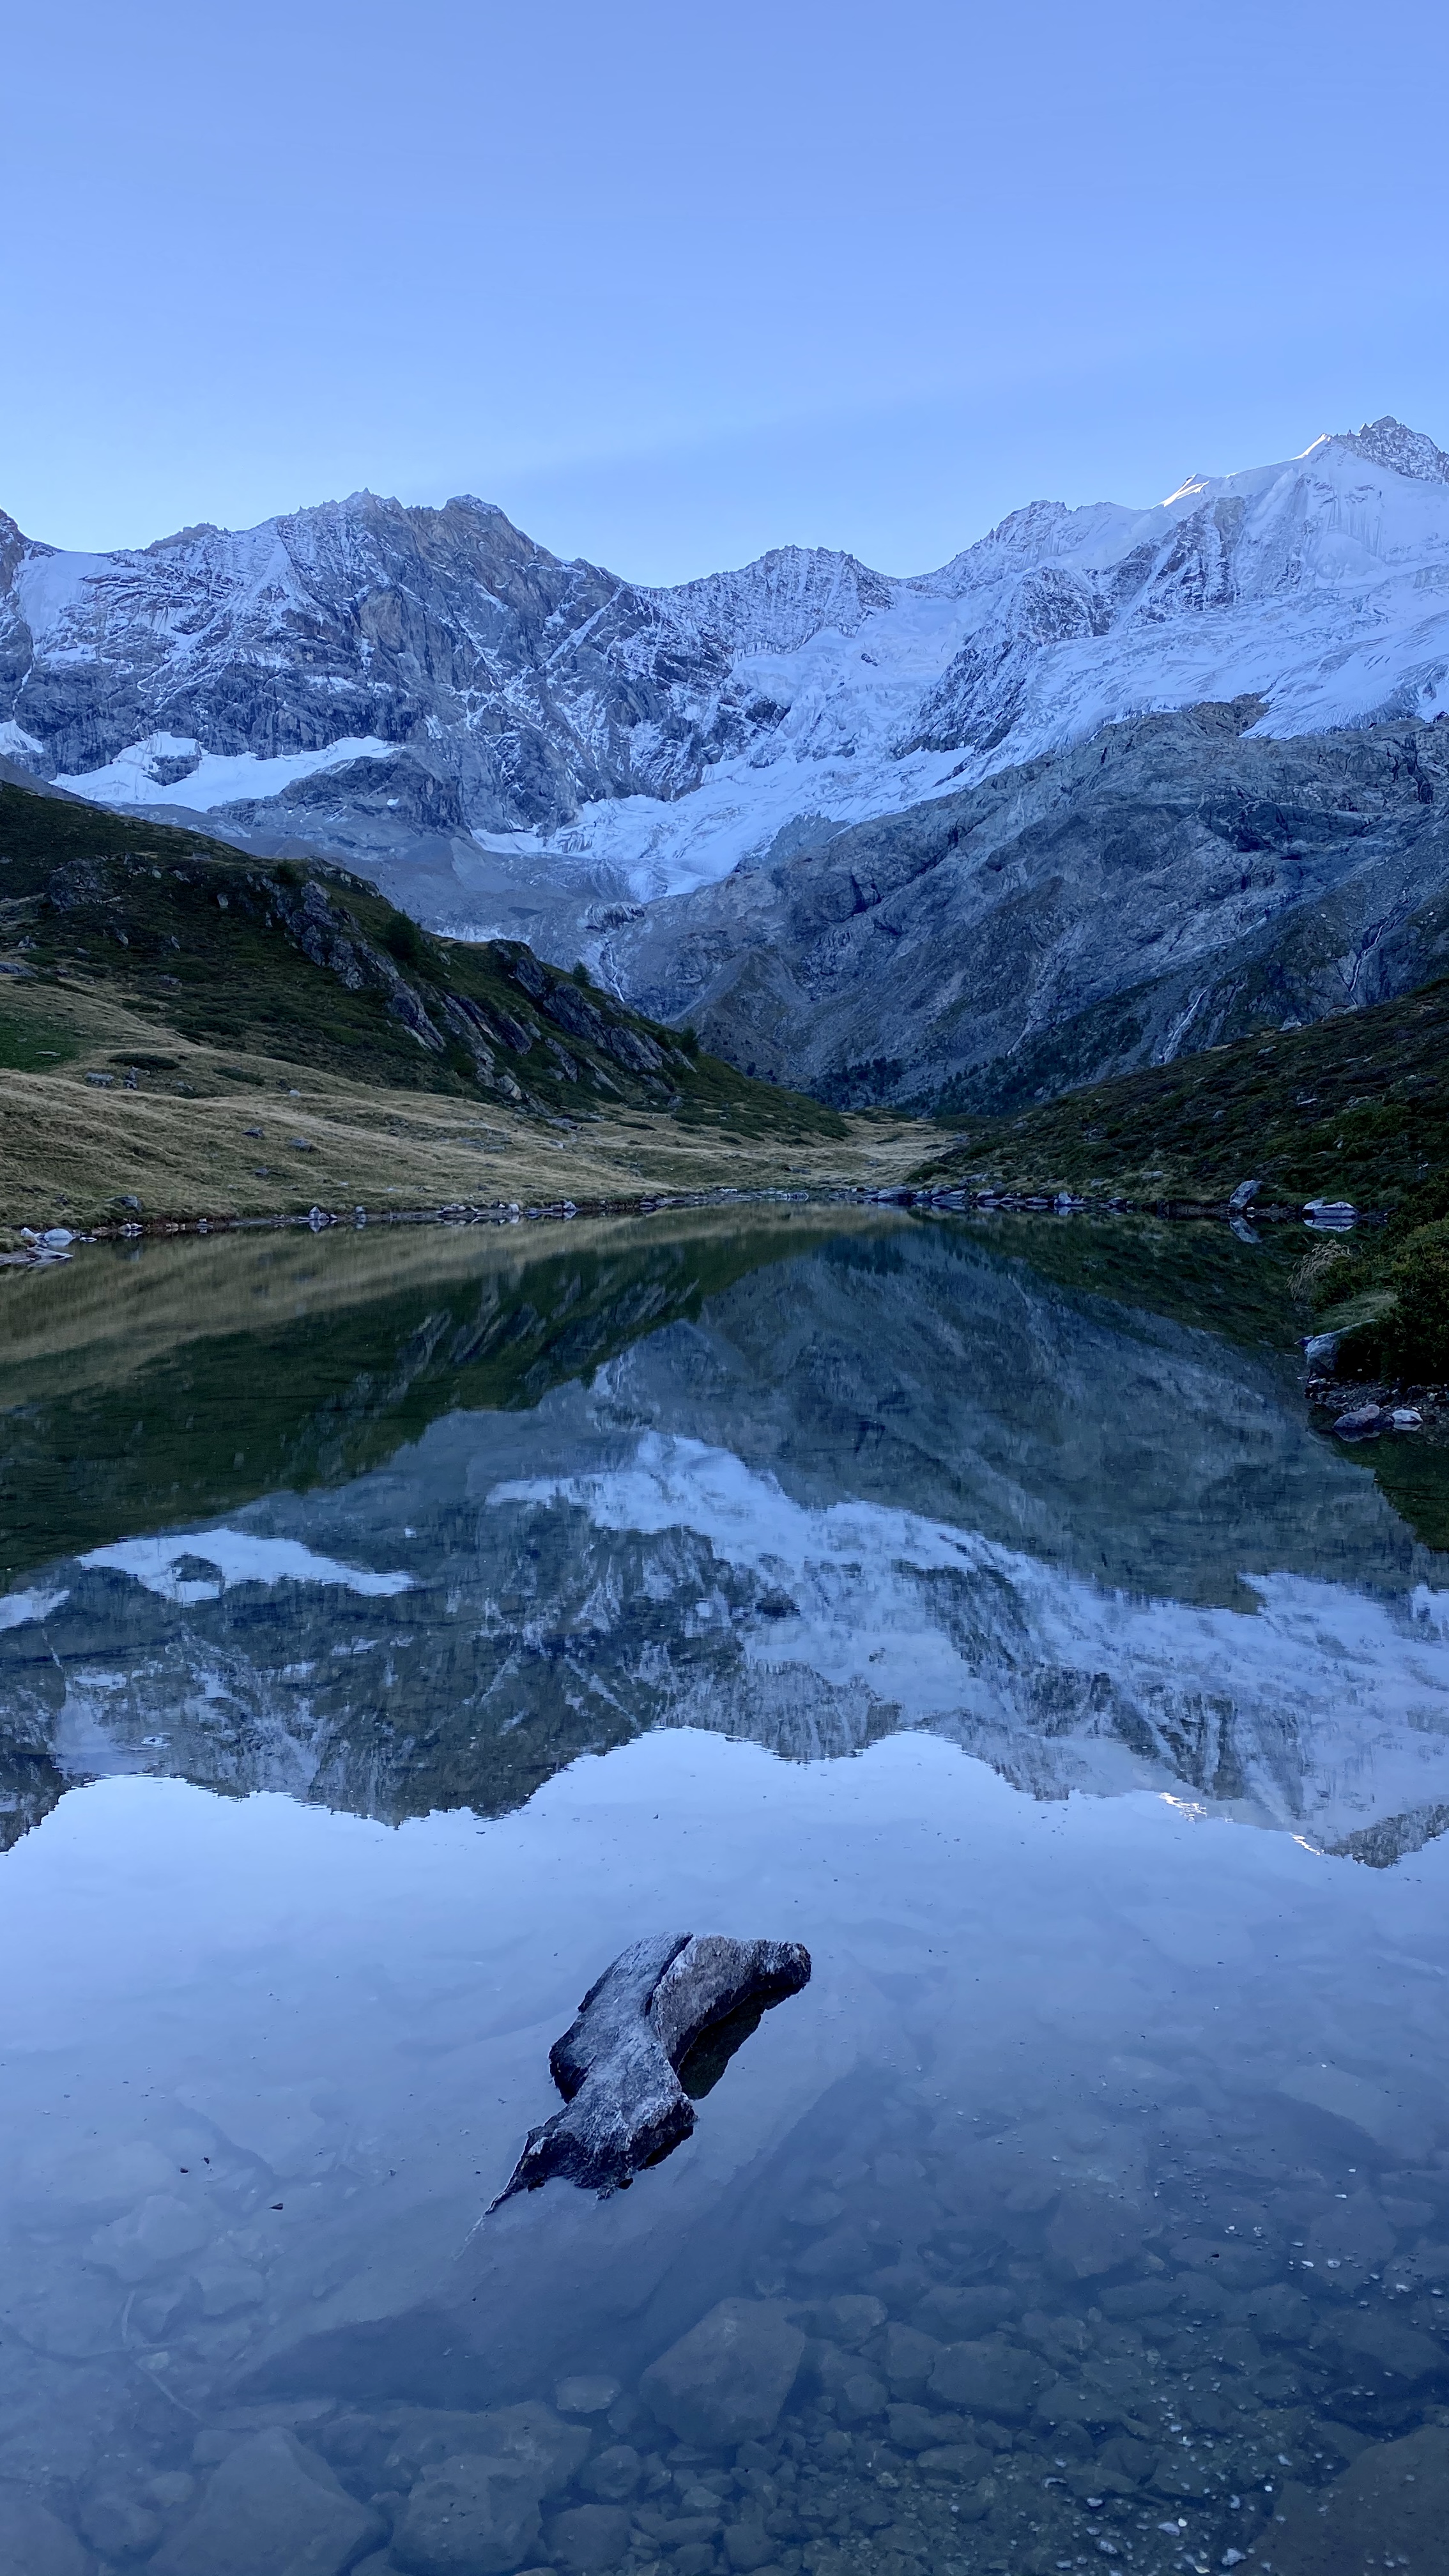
(617, 2066)
(1170, 886)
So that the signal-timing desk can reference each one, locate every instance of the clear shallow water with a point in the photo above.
(432, 1619)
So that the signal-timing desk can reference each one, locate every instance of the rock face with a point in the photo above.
(1167, 887)
(435, 666)
(272, 2509)
(617, 2065)
(387, 683)
(727, 2379)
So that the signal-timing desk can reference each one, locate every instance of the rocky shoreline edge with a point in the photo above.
(55, 1240)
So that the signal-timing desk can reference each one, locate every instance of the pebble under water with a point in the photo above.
(391, 1634)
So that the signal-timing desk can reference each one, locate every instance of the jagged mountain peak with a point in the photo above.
(1388, 442)
(778, 603)
(365, 671)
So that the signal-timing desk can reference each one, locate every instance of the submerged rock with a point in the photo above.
(591, 2536)
(992, 2377)
(617, 2066)
(477, 2515)
(33, 2542)
(727, 2379)
(1389, 2505)
(271, 2509)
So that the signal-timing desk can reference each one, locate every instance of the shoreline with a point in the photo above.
(1323, 1394)
(949, 1201)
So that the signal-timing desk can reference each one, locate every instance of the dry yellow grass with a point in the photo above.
(71, 1152)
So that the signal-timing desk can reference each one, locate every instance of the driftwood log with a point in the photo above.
(617, 2066)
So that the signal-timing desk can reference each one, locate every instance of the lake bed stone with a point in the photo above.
(120, 2525)
(529, 2433)
(909, 2359)
(1391, 2505)
(588, 2537)
(959, 2315)
(861, 2397)
(586, 2394)
(612, 2476)
(1093, 2232)
(161, 2230)
(990, 2377)
(474, 2515)
(270, 2509)
(726, 2380)
(1352, 2231)
(957, 2461)
(847, 2320)
(921, 2428)
(34, 2541)
(1385, 2345)
(748, 2546)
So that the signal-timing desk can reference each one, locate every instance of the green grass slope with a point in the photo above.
(311, 967)
(1355, 1107)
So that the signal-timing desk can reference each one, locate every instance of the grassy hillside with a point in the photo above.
(313, 967)
(211, 1034)
(1355, 1107)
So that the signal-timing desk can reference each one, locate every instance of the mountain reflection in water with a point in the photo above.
(396, 1626)
(808, 1481)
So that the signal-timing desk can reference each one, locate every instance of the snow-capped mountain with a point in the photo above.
(429, 692)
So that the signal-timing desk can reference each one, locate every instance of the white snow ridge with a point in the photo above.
(596, 736)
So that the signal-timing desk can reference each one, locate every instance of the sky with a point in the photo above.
(676, 285)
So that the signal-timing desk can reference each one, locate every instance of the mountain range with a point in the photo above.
(707, 790)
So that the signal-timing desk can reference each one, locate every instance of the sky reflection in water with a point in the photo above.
(1104, 2166)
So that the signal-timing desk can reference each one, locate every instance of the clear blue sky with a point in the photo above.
(674, 285)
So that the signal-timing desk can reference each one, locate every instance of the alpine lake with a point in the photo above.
(397, 1624)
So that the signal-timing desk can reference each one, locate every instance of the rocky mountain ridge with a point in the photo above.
(527, 745)
(1175, 883)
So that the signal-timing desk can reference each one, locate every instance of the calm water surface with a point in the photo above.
(393, 1628)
